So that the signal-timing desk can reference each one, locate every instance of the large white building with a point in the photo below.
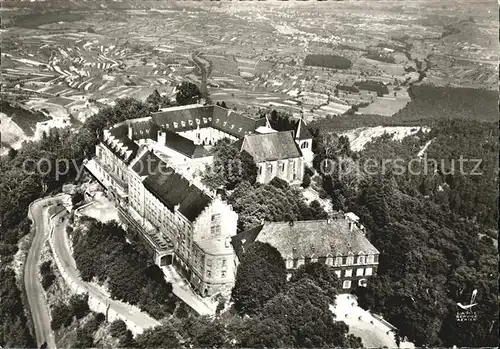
(147, 165)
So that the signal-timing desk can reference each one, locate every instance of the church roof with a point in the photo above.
(302, 131)
(271, 146)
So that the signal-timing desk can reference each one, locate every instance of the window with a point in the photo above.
(359, 272)
(347, 284)
(260, 169)
(215, 225)
(348, 273)
(209, 263)
(371, 259)
(223, 274)
(216, 218)
(223, 263)
(361, 259)
(300, 262)
(369, 271)
(350, 260)
(282, 166)
(362, 282)
(337, 272)
(329, 261)
(215, 230)
(338, 261)
(209, 273)
(304, 145)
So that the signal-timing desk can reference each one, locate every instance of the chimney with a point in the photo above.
(162, 137)
(176, 207)
(351, 226)
(332, 247)
(130, 132)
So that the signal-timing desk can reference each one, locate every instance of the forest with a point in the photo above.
(21, 183)
(102, 254)
(268, 311)
(436, 230)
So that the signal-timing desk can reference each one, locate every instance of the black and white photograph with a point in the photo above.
(249, 174)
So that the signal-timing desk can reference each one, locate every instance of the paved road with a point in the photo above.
(373, 332)
(182, 290)
(34, 291)
(132, 315)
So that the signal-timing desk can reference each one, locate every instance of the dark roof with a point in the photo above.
(147, 164)
(184, 145)
(271, 146)
(243, 240)
(172, 189)
(119, 132)
(302, 131)
(144, 130)
(189, 117)
(320, 238)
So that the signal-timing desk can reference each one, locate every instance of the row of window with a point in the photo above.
(348, 283)
(359, 272)
(338, 261)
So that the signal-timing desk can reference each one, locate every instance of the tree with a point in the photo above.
(164, 336)
(259, 277)
(157, 101)
(188, 93)
(306, 181)
(79, 305)
(263, 333)
(212, 336)
(303, 310)
(229, 167)
(322, 275)
(77, 197)
(61, 316)
(118, 328)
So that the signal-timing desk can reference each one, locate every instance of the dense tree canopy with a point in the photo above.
(274, 202)
(124, 109)
(157, 101)
(101, 251)
(260, 276)
(188, 93)
(229, 167)
(431, 227)
(322, 275)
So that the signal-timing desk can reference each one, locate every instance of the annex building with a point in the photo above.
(338, 242)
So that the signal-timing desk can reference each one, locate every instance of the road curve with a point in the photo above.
(34, 291)
(131, 315)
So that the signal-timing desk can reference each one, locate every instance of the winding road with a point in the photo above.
(136, 320)
(34, 291)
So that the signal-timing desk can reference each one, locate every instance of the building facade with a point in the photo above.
(276, 154)
(147, 165)
(339, 243)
